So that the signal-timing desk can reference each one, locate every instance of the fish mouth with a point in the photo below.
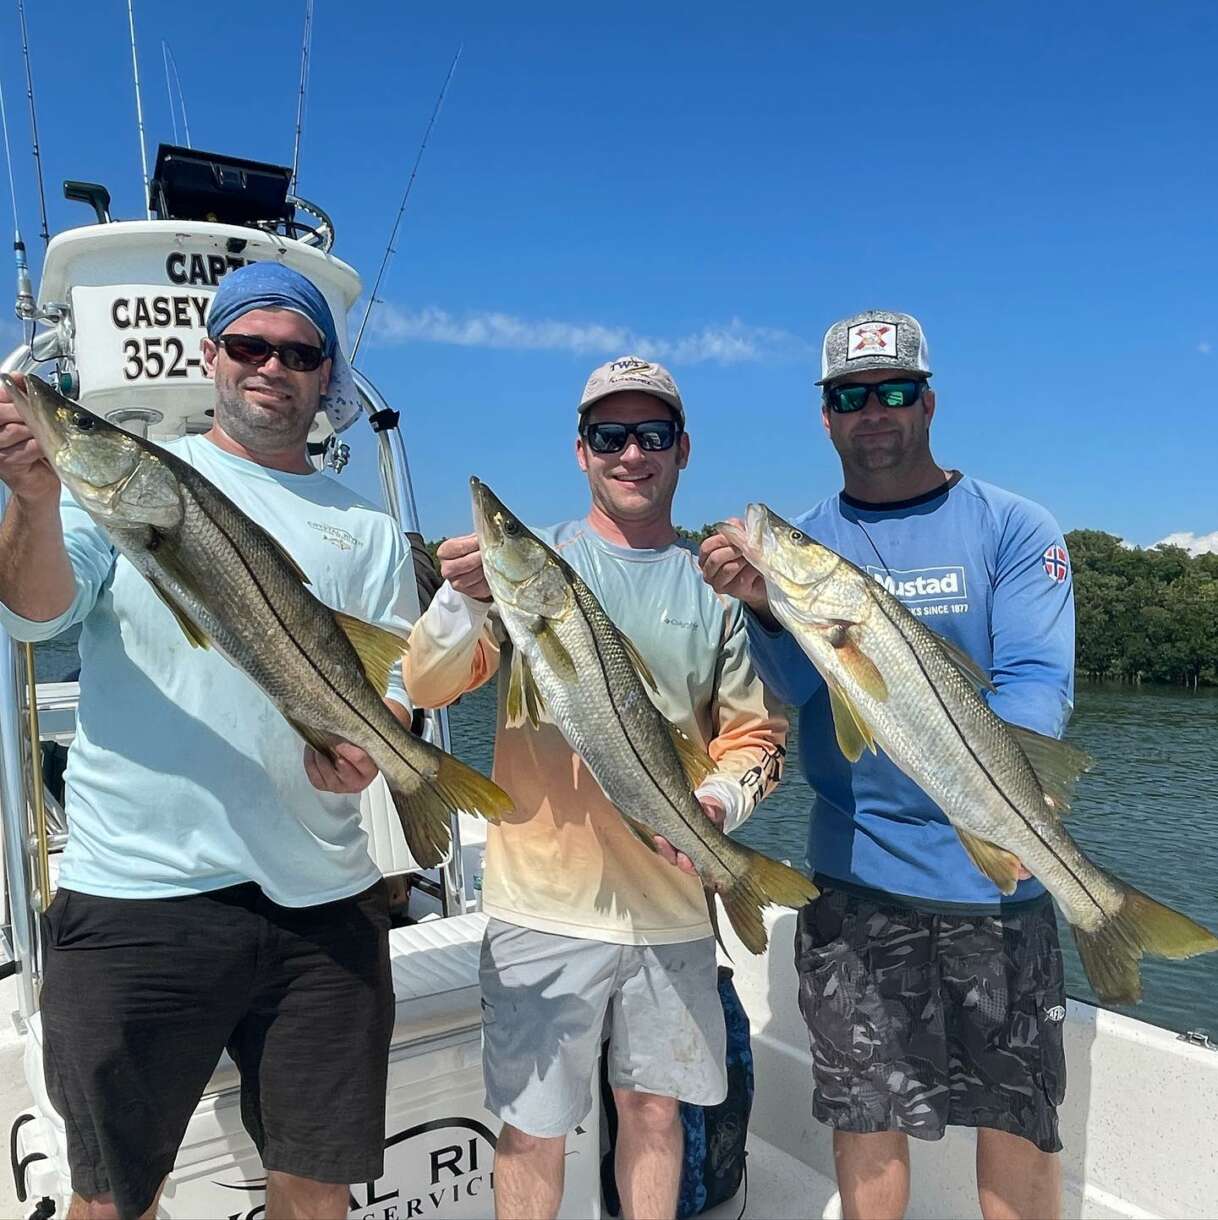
(746, 540)
(490, 513)
(42, 409)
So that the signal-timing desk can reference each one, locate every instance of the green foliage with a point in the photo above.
(697, 537)
(1144, 615)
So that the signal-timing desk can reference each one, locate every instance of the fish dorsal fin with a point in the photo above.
(640, 666)
(998, 864)
(377, 649)
(853, 733)
(695, 761)
(524, 702)
(1057, 765)
(194, 633)
(553, 649)
(844, 637)
(964, 663)
(304, 580)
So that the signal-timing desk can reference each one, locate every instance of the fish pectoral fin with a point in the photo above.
(998, 864)
(194, 633)
(695, 761)
(524, 701)
(640, 666)
(963, 662)
(1057, 765)
(377, 649)
(553, 649)
(844, 637)
(852, 730)
(323, 743)
(641, 832)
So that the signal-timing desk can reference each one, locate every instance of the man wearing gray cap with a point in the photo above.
(587, 925)
(931, 1000)
(216, 890)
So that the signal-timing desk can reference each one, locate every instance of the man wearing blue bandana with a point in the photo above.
(216, 890)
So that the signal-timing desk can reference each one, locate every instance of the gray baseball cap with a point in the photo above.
(632, 373)
(874, 339)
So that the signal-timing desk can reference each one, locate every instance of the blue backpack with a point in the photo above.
(714, 1166)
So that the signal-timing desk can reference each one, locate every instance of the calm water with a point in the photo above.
(1148, 811)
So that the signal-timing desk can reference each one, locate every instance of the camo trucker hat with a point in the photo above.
(632, 373)
(874, 339)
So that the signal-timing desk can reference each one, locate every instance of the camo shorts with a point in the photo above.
(920, 1020)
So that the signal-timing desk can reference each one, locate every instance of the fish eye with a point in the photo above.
(796, 536)
(510, 527)
(82, 423)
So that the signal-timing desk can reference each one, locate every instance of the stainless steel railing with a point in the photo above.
(398, 490)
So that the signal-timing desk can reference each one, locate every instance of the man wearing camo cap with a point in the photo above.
(587, 923)
(931, 999)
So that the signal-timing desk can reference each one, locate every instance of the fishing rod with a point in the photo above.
(29, 93)
(389, 249)
(25, 291)
(170, 61)
(306, 46)
(139, 107)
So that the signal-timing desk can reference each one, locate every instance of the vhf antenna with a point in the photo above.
(304, 88)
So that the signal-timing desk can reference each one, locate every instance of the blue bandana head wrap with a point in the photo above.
(267, 285)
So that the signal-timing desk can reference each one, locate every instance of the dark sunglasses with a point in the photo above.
(653, 435)
(253, 349)
(902, 392)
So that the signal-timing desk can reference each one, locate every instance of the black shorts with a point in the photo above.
(920, 1020)
(140, 996)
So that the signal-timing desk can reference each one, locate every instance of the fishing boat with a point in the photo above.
(117, 321)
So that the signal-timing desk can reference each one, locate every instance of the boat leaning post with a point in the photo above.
(398, 492)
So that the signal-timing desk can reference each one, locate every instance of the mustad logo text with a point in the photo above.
(944, 584)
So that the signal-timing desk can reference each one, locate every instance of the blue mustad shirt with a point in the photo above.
(987, 569)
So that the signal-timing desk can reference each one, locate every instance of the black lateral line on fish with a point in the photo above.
(983, 768)
(304, 653)
(609, 687)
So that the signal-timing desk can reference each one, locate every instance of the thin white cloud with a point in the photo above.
(733, 343)
(1205, 348)
(1194, 544)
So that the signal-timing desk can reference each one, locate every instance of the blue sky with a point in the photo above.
(714, 184)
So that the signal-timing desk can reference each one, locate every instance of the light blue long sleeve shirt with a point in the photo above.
(183, 776)
(985, 568)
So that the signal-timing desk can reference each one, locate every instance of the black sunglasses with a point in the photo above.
(253, 349)
(653, 435)
(901, 392)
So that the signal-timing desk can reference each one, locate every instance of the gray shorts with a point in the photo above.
(549, 1001)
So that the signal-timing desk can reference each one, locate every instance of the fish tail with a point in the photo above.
(425, 806)
(1141, 925)
(763, 881)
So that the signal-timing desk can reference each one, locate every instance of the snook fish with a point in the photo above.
(571, 666)
(231, 586)
(896, 685)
